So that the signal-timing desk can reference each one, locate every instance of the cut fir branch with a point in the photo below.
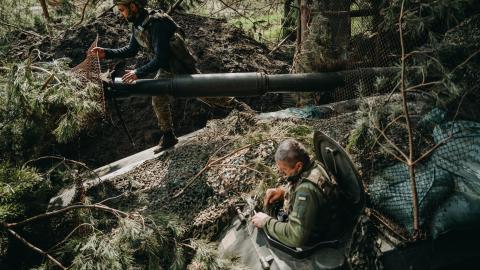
(10, 226)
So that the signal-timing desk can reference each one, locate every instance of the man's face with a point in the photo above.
(128, 12)
(287, 169)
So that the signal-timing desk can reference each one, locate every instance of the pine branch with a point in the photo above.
(30, 245)
(67, 209)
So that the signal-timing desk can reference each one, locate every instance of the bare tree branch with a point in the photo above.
(66, 209)
(83, 12)
(392, 143)
(174, 6)
(30, 245)
(45, 10)
(411, 167)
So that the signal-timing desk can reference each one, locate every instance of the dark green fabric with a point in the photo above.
(309, 220)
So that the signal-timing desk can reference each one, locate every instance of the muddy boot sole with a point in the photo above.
(165, 145)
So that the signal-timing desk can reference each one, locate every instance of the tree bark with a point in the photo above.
(323, 36)
(43, 3)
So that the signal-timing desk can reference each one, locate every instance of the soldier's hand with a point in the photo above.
(272, 195)
(98, 51)
(129, 77)
(260, 219)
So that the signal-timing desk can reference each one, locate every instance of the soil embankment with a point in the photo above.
(218, 46)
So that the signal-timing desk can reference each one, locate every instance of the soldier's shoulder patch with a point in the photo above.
(302, 196)
(301, 202)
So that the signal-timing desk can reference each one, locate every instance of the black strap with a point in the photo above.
(117, 109)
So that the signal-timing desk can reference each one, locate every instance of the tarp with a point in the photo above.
(448, 182)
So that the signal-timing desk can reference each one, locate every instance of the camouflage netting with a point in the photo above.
(89, 71)
(441, 74)
(244, 147)
(447, 179)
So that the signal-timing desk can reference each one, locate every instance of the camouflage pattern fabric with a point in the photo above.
(311, 218)
(181, 62)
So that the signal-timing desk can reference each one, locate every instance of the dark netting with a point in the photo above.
(448, 183)
(89, 71)
(359, 36)
(368, 47)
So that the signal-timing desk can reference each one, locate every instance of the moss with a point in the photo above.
(299, 131)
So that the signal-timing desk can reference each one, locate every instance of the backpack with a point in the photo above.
(182, 60)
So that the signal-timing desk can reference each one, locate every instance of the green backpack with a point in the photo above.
(182, 60)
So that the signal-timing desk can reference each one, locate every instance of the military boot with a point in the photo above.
(167, 141)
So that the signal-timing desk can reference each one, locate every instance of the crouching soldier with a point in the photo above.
(163, 39)
(309, 200)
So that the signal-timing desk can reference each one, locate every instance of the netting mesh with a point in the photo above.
(355, 35)
(368, 47)
(453, 169)
(362, 35)
(89, 71)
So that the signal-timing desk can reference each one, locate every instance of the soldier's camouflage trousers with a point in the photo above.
(182, 62)
(161, 106)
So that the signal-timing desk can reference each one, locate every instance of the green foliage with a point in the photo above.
(299, 131)
(131, 243)
(20, 13)
(262, 20)
(40, 100)
(65, 7)
(166, 4)
(206, 256)
(422, 18)
(358, 138)
(19, 185)
(23, 192)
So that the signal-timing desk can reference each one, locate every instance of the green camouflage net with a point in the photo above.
(454, 168)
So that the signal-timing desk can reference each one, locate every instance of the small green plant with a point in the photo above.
(298, 131)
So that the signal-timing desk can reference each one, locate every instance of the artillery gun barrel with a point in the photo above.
(240, 84)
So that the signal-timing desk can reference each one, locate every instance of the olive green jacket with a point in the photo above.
(309, 217)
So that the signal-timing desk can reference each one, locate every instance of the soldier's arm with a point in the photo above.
(297, 230)
(160, 33)
(125, 52)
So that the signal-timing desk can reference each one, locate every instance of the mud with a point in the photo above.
(218, 46)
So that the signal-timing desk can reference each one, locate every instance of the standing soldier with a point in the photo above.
(163, 39)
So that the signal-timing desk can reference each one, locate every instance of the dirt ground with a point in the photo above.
(218, 46)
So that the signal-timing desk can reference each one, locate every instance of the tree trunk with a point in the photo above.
(322, 39)
(45, 9)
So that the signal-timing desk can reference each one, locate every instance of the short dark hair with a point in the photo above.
(292, 151)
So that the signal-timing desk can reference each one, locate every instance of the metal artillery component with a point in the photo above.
(240, 84)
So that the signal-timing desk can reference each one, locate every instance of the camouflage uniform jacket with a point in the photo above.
(310, 216)
(153, 32)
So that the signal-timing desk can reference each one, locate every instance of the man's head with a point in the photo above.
(291, 157)
(130, 8)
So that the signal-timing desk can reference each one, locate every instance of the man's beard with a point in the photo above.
(131, 17)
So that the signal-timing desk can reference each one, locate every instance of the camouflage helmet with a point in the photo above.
(139, 3)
